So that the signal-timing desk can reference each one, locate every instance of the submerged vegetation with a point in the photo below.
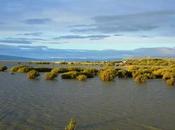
(140, 70)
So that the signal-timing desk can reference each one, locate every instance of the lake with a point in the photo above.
(96, 105)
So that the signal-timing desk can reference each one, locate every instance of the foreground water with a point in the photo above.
(96, 105)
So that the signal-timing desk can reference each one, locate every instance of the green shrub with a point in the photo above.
(50, 76)
(70, 75)
(81, 77)
(32, 74)
(71, 125)
(3, 68)
(107, 74)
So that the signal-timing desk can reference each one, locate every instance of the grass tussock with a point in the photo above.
(140, 79)
(32, 74)
(170, 82)
(81, 77)
(107, 74)
(20, 69)
(71, 125)
(50, 76)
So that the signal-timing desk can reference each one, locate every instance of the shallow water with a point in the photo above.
(96, 105)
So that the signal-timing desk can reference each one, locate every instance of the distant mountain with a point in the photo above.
(5, 57)
(85, 55)
(160, 52)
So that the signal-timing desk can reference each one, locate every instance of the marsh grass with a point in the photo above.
(32, 74)
(81, 77)
(20, 69)
(124, 74)
(170, 82)
(71, 125)
(107, 74)
(140, 79)
(138, 69)
(50, 76)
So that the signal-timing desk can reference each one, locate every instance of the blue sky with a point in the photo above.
(90, 25)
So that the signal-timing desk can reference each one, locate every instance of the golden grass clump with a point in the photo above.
(20, 69)
(24, 69)
(107, 74)
(170, 82)
(50, 76)
(140, 79)
(167, 75)
(81, 77)
(32, 74)
(71, 125)
(132, 68)
(55, 70)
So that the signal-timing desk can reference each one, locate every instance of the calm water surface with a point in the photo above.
(96, 105)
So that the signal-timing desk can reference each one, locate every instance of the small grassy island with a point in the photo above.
(140, 70)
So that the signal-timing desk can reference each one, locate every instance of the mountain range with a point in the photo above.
(84, 55)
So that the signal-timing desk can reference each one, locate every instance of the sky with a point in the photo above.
(87, 24)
